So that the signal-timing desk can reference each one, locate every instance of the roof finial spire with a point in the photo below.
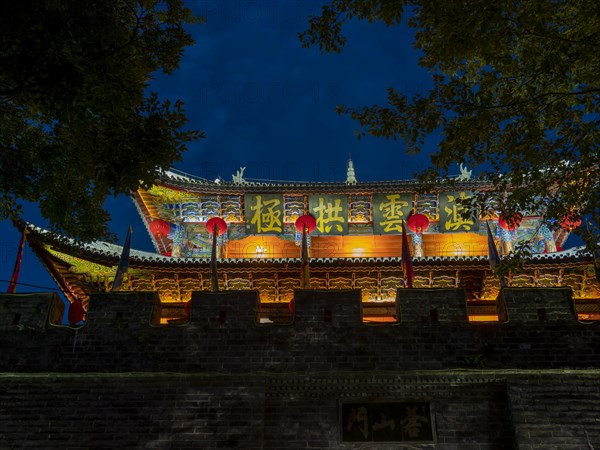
(350, 175)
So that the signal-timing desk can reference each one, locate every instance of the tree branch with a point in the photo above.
(545, 94)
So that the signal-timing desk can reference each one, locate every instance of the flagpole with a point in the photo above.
(305, 261)
(123, 262)
(493, 254)
(213, 261)
(14, 280)
(406, 259)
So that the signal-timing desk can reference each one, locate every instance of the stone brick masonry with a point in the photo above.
(224, 381)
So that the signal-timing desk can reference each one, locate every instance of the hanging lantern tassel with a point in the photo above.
(418, 224)
(213, 261)
(417, 241)
(298, 239)
(306, 224)
(305, 270)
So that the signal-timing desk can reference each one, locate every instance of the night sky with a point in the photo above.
(268, 104)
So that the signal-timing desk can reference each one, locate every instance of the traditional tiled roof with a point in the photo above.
(107, 253)
(196, 184)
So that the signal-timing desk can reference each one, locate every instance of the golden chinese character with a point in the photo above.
(392, 212)
(413, 422)
(267, 217)
(384, 423)
(455, 213)
(359, 417)
(328, 213)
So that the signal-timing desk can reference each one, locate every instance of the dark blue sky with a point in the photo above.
(268, 104)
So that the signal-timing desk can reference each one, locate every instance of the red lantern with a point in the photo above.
(188, 308)
(160, 228)
(418, 223)
(308, 221)
(570, 221)
(216, 221)
(510, 223)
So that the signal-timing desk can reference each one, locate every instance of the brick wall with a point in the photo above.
(485, 410)
(224, 381)
(122, 335)
(542, 304)
(555, 411)
(424, 305)
(29, 311)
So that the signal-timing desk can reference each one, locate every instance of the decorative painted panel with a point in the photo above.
(444, 281)
(359, 209)
(293, 207)
(286, 289)
(318, 283)
(231, 208)
(428, 204)
(389, 285)
(575, 282)
(340, 283)
(522, 280)
(209, 207)
(238, 284)
(368, 287)
(265, 288)
(420, 281)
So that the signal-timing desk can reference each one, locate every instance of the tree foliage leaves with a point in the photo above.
(77, 122)
(516, 93)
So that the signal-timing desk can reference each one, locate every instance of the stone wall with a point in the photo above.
(470, 411)
(122, 334)
(222, 380)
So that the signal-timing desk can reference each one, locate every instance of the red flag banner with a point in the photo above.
(76, 312)
(14, 280)
(406, 259)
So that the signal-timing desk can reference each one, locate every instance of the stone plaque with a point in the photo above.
(408, 421)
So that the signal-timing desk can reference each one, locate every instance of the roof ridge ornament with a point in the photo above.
(465, 174)
(350, 174)
(238, 178)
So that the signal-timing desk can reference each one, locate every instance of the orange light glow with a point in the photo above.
(379, 319)
(449, 244)
(590, 316)
(490, 318)
(261, 247)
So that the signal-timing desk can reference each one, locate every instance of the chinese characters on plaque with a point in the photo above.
(455, 214)
(389, 210)
(331, 213)
(387, 422)
(265, 213)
